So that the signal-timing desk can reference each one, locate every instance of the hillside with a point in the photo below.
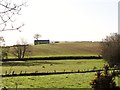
(66, 49)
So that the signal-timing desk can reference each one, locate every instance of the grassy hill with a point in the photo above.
(66, 49)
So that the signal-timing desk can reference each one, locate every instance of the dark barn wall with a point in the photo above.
(41, 42)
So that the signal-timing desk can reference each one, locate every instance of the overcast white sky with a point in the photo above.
(66, 20)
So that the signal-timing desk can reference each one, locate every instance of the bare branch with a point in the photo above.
(21, 49)
(8, 11)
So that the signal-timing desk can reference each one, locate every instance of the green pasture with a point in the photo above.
(78, 80)
(81, 80)
(51, 65)
(50, 81)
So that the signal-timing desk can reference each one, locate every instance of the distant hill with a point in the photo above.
(66, 49)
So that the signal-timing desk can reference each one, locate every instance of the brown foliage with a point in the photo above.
(111, 49)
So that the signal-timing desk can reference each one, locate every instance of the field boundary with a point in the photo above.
(49, 73)
(54, 58)
(36, 73)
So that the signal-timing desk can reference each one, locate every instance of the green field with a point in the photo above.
(51, 81)
(81, 80)
(51, 65)
(65, 49)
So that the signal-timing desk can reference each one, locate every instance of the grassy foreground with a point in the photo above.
(81, 80)
(51, 81)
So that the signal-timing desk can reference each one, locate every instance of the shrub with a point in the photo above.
(104, 80)
(111, 49)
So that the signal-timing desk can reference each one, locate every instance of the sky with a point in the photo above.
(66, 20)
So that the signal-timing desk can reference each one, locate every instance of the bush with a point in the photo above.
(104, 80)
(111, 49)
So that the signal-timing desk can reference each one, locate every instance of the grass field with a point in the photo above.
(65, 49)
(51, 65)
(69, 48)
(50, 81)
(81, 80)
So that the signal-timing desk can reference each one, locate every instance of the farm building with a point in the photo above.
(41, 42)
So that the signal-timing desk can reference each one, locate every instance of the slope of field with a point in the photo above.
(66, 49)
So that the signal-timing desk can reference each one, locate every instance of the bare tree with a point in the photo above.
(111, 49)
(8, 10)
(20, 50)
(37, 36)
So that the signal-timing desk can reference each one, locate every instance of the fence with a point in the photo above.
(47, 72)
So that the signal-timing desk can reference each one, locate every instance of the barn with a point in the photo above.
(36, 42)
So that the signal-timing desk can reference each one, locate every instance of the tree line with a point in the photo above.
(20, 50)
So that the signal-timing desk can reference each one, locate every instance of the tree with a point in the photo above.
(111, 49)
(37, 36)
(8, 10)
(20, 50)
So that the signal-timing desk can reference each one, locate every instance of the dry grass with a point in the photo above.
(68, 48)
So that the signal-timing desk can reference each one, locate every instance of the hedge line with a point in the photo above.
(49, 73)
(55, 72)
(55, 58)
